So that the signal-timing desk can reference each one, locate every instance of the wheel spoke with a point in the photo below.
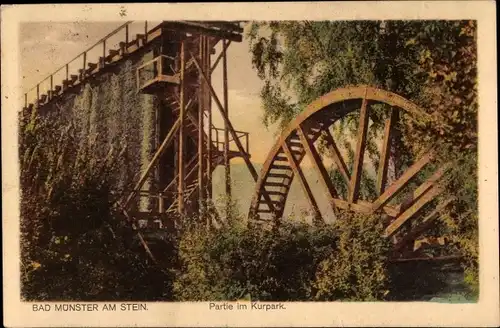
(424, 187)
(385, 151)
(427, 222)
(400, 183)
(302, 179)
(360, 152)
(318, 166)
(412, 210)
(337, 157)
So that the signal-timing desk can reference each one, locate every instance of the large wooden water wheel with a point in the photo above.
(409, 201)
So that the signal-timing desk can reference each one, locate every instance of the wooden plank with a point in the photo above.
(303, 182)
(412, 210)
(360, 152)
(318, 166)
(403, 180)
(337, 158)
(385, 151)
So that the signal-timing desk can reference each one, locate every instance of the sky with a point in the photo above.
(47, 46)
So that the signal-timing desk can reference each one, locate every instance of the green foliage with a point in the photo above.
(293, 262)
(75, 245)
(357, 270)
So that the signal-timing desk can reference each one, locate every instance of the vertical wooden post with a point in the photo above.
(145, 31)
(126, 36)
(227, 165)
(37, 94)
(67, 71)
(161, 203)
(182, 136)
(201, 132)
(25, 100)
(247, 143)
(206, 69)
(103, 53)
(84, 64)
(51, 86)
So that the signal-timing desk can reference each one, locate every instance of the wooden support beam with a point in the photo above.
(400, 183)
(205, 64)
(337, 158)
(360, 152)
(412, 210)
(201, 133)
(166, 142)
(182, 136)
(252, 170)
(173, 182)
(222, 54)
(237, 141)
(139, 235)
(319, 167)
(302, 179)
(385, 151)
(227, 165)
(201, 28)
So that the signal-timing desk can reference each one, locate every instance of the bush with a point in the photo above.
(75, 245)
(292, 262)
(357, 270)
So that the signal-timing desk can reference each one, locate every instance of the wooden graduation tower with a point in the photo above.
(172, 61)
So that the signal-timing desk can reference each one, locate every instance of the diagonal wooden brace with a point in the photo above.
(166, 142)
(230, 127)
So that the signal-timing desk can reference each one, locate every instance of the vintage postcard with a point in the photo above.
(250, 164)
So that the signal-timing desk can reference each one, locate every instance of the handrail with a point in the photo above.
(115, 31)
(240, 135)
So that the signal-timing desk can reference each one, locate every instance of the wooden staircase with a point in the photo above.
(278, 181)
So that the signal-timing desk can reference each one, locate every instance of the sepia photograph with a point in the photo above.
(247, 164)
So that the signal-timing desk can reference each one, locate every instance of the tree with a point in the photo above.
(432, 63)
(75, 244)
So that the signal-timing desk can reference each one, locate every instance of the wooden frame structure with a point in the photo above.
(189, 86)
(299, 140)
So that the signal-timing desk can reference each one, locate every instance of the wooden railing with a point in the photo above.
(66, 71)
(219, 141)
(161, 65)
